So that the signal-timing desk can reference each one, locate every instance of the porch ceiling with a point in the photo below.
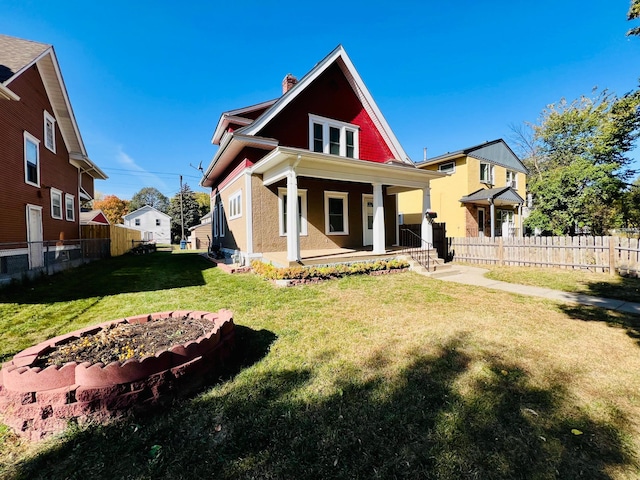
(275, 165)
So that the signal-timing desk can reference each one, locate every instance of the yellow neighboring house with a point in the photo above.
(483, 195)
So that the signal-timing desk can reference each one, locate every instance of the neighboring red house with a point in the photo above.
(47, 173)
(322, 151)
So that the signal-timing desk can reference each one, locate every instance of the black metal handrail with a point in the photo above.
(416, 247)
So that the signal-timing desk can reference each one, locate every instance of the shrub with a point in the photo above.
(270, 272)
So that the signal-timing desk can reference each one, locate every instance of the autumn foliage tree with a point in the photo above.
(113, 207)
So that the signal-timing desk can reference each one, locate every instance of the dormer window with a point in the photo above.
(49, 132)
(333, 137)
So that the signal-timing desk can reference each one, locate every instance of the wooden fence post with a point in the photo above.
(612, 255)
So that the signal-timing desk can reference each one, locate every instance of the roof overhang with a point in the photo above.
(86, 165)
(6, 94)
(500, 197)
(277, 163)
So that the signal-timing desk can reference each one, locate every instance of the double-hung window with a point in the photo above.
(333, 137)
(486, 173)
(70, 207)
(49, 132)
(157, 222)
(336, 213)
(512, 179)
(56, 204)
(31, 160)
(137, 222)
(302, 211)
(235, 205)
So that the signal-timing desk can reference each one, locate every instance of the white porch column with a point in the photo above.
(293, 232)
(492, 212)
(378, 220)
(427, 228)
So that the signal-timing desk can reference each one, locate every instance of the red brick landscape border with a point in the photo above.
(36, 402)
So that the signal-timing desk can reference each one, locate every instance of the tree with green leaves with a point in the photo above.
(634, 14)
(149, 196)
(190, 212)
(204, 202)
(579, 163)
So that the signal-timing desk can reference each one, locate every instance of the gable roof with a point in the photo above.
(93, 217)
(143, 210)
(18, 55)
(495, 151)
(340, 57)
(238, 117)
(499, 196)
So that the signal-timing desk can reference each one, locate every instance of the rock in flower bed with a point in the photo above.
(299, 275)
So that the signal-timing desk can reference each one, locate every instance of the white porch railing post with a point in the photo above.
(378, 220)
(293, 231)
(426, 231)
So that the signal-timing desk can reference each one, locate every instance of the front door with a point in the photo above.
(481, 222)
(367, 220)
(34, 236)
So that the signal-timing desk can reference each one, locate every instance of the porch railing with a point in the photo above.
(416, 247)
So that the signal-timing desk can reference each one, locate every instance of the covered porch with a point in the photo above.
(288, 165)
(503, 206)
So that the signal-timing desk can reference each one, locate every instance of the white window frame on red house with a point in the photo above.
(344, 196)
(49, 131)
(30, 139)
(326, 144)
(302, 214)
(70, 207)
(56, 194)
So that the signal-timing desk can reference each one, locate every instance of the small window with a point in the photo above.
(56, 204)
(49, 132)
(157, 222)
(221, 219)
(31, 160)
(302, 211)
(486, 173)
(336, 213)
(235, 205)
(512, 179)
(333, 137)
(448, 167)
(70, 207)
(137, 222)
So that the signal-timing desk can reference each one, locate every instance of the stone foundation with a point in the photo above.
(36, 402)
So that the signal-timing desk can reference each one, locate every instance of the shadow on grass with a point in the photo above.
(629, 322)
(623, 288)
(124, 274)
(429, 422)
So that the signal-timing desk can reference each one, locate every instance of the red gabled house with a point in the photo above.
(47, 173)
(316, 170)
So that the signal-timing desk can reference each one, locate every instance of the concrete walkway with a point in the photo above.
(475, 276)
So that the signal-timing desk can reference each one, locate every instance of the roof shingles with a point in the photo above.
(15, 54)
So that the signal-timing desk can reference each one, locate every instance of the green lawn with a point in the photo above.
(578, 281)
(396, 376)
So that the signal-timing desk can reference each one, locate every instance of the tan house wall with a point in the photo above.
(235, 230)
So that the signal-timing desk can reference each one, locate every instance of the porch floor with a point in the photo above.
(331, 255)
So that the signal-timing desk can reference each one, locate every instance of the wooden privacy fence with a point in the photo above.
(122, 238)
(598, 254)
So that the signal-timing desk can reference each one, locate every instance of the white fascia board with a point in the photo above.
(223, 124)
(7, 94)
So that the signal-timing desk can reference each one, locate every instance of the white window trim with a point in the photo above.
(491, 179)
(302, 193)
(513, 183)
(67, 197)
(49, 118)
(235, 205)
(158, 222)
(343, 126)
(221, 225)
(345, 211)
(58, 193)
(32, 139)
(136, 222)
(452, 170)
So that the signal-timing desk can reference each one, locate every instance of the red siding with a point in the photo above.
(329, 96)
(246, 158)
(55, 169)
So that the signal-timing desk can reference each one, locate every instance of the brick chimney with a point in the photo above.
(288, 82)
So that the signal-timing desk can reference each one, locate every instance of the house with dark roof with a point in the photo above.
(482, 194)
(47, 173)
(312, 174)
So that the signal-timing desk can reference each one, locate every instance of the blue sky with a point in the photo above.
(149, 79)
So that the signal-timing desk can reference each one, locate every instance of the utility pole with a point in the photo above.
(181, 210)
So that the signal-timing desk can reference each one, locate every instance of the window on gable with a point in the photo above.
(302, 211)
(486, 173)
(511, 180)
(235, 205)
(56, 204)
(137, 222)
(31, 160)
(49, 131)
(447, 167)
(333, 137)
(70, 207)
(336, 213)
(157, 222)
